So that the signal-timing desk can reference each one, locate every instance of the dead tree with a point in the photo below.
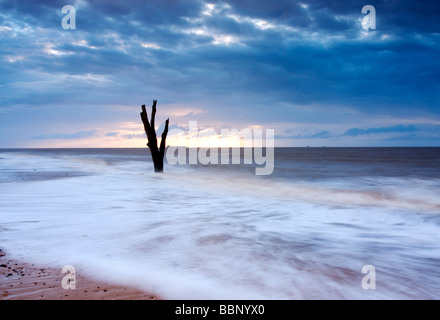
(156, 153)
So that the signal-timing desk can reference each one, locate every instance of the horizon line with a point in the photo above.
(304, 147)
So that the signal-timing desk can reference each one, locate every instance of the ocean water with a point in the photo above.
(221, 232)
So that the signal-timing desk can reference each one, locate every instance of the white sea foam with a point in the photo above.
(192, 234)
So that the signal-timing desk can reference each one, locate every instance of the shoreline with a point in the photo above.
(25, 281)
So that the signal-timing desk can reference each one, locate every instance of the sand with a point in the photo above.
(24, 281)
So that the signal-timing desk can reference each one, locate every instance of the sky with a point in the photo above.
(309, 70)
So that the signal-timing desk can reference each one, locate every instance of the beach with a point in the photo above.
(20, 280)
(25, 281)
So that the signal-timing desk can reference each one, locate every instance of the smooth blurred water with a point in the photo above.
(220, 232)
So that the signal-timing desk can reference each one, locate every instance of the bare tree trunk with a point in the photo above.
(156, 153)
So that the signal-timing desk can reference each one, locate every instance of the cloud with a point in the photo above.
(238, 61)
(408, 130)
(66, 136)
(302, 57)
(134, 136)
(354, 132)
(319, 135)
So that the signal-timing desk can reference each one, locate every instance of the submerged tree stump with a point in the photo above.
(156, 153)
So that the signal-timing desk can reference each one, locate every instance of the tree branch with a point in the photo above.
(153, 115)
(164, 138)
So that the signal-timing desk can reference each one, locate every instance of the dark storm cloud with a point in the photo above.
(230, 56)
(299, 71)
(41, 13)
(397, 16)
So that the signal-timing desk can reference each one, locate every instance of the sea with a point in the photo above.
(328, 223)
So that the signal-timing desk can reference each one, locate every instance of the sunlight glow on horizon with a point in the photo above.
(131, 135)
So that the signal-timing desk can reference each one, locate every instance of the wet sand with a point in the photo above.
(25, 281)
